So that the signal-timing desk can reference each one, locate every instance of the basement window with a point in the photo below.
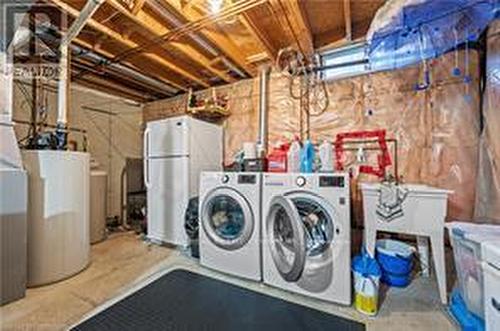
(345, 62)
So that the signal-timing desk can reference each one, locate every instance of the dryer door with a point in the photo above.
(286, 238)
(227, 218)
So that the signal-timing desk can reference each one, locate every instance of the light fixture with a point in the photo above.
(215, 6)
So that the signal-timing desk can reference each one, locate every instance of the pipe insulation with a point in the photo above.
(262, 140)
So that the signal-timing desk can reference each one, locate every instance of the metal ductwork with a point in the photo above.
(121, 69)
(262, 140)
(49, 35)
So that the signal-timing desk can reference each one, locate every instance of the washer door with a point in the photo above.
(227, 218)
(317, 219)
(286, 238)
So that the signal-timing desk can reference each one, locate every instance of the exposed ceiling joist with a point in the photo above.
(249, 22)
(102, 52)
(347, 20)
(291, 17)
(111, 87)
(156, 29)
(223, 43)
(187, 44)
(138, 6)
(131, 44)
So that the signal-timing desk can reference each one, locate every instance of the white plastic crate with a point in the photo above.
(491, 267)
(466, 240)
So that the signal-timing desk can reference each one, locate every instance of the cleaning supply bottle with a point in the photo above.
(277, 158)
(367, 273)
(326, 156)
(293, 157)
(307, 157)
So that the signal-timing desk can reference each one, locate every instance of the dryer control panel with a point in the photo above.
(331, 181)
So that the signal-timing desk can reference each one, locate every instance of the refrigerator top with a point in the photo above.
(167, 138)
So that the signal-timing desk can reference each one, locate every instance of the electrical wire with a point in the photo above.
(305, 83)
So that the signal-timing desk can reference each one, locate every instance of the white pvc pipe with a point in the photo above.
(85, 14)
(263, 110)
(63, 86)
(65, 74)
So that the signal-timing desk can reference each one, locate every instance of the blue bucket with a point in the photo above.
(396, 261)
(396, 280)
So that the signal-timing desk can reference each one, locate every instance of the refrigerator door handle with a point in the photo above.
(147, 182)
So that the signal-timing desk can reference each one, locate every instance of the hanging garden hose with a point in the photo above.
(305, 82)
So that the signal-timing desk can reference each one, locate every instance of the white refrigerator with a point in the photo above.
(176, 151)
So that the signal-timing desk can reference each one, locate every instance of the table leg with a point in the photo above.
(437, 245)
(423, 254)
(370, 239)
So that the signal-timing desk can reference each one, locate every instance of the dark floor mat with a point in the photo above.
(182, 300)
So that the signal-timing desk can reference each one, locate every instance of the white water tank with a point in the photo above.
(98, 203)
(58, 214)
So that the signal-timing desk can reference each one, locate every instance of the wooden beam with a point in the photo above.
(347, 20)
(108, 86)
(256, 58)
(131, 44)
(291, 17)
(249, 23)
(225, 44)
(156, 29)
(329, 36)
(340, 43)
(137, 6)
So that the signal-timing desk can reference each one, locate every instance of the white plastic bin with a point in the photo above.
(492, 297)
(466, 240)
(491, 267)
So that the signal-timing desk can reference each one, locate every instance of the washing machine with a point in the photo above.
(230, 231)
(306, 234)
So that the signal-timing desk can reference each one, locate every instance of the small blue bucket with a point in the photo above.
(396, 280)
(396, 261)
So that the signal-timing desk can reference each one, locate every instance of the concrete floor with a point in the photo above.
(123, 264)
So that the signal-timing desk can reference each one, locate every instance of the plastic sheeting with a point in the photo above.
(437, 129)
(488, 184)
(407, 31)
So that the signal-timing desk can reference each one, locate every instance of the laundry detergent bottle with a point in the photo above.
(293, 157)
(326, 156)
(307, 157)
